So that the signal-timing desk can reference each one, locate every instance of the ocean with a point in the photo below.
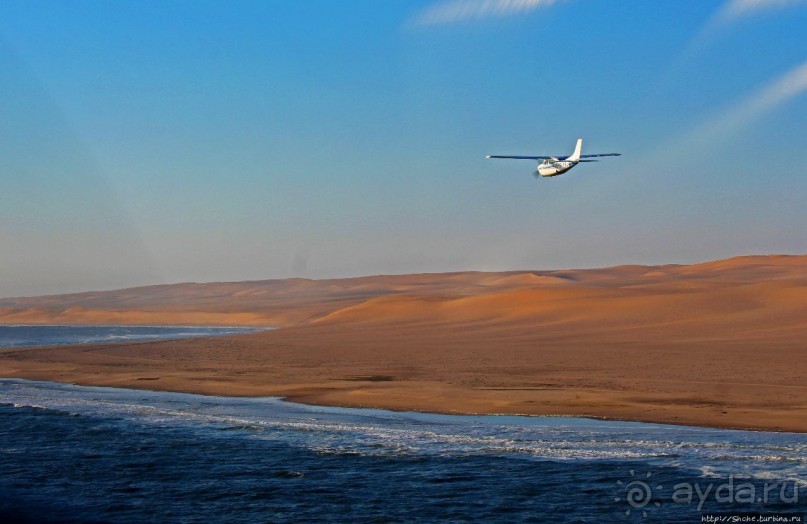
(91, 454)
(24, 335)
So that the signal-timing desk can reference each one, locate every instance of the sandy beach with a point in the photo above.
(720, 344)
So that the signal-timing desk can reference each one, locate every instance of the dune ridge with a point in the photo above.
(721, 343)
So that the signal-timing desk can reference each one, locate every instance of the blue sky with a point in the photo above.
(156, 142)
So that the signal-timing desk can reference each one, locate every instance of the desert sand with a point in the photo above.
(720, 344)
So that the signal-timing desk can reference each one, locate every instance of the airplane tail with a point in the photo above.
(577, 149)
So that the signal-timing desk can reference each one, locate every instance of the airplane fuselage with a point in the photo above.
(554, 167)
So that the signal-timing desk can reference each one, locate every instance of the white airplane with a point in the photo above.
(557, 165)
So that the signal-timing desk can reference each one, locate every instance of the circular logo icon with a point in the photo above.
(638, 493)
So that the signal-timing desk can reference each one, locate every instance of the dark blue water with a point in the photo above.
(116, 455)
(88, 454)
(19, 335)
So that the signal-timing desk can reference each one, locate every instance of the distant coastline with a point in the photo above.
(22, 335)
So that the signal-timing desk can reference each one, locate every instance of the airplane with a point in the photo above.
(557, 165)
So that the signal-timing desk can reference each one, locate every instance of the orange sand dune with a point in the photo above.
(721, 343)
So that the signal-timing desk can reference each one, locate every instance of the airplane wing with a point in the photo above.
(601, 154)
(559, 157)
(523, 157)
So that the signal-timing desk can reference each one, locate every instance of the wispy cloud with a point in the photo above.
(730, 13)
(714, 132)
(459, 11)
(733, 11)
(772, 95)
(701, 138)
(736, 9)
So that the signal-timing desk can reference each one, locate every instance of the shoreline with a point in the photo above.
(290, 400)
(157, 326)
(249, 365)
(329, 397)
(323, 369)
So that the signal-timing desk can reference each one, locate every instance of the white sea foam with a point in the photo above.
(711, 452)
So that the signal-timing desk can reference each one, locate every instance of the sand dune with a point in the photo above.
(722, 343)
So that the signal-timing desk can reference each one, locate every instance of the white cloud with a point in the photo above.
(456, 11)
(735, 9)
(731, 12)
(701, 138)
(772, 95)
